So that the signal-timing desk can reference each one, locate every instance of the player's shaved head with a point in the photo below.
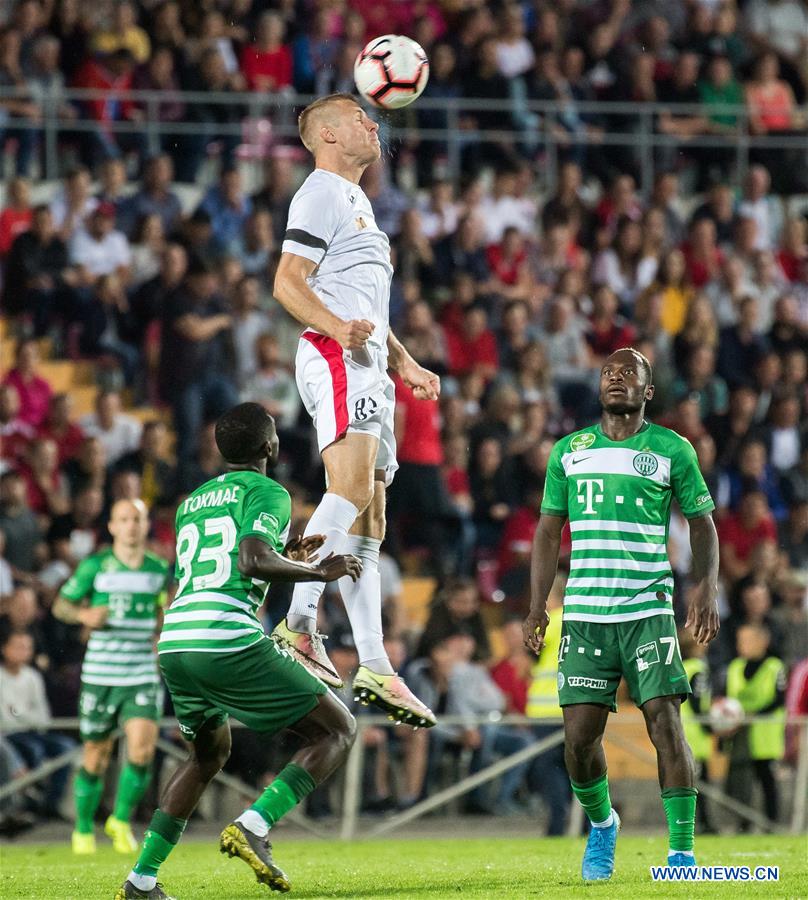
(242, 433)
(122, 507)
(641, 359)
(321, 112)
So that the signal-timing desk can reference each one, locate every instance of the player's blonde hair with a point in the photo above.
(310, 120)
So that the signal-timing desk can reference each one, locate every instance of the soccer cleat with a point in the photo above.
(598, 862)
(685, 860)
(257, 853)
(309, 651)
(391, 694)
(128, 891)
(120, 833)
(83, 844)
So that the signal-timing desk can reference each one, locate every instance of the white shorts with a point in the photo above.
(342, 394)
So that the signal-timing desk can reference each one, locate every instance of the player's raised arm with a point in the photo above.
(256, 559)
(702, 613)
(543, 565)
(424, 384)
(293, 293)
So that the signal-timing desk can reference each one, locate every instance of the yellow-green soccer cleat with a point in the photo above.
(120, 833)
(309, 651)
(391, 694)
(83, 844)
(127, 891)
(257, 853)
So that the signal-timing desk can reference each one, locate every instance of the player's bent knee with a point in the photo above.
(96, 756)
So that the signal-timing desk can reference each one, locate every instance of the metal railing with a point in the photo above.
(627, 126)
(350, 829)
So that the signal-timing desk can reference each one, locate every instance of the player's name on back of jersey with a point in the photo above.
(219, 497)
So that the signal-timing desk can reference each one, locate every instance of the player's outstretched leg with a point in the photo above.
(135, 777)
(677, 774)
(584, 724)
(328, 731)
(209, 752)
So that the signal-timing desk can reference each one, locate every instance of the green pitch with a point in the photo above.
(403, 869)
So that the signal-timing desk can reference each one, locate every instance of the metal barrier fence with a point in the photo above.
(627, 126)
(352, 789)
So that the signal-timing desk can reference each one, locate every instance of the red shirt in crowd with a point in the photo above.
(94, 75)
(35, 396)
(732, 531)
(16, 436)
(37, 499)
(457, 481)
(700, 271)
(259, 67)
(420, 441)
(790, 264)
(517, 538)
(507, 270)
(68, 441)
(512, 684)
(12, 224)
(464, 355)
(604, 341)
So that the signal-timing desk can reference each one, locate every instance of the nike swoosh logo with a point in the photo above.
(683, 821)
(581, 459)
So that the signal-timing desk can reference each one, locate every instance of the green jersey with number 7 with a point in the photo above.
(215, 608)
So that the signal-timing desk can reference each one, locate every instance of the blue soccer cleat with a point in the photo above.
(682, 859)
(598, 862)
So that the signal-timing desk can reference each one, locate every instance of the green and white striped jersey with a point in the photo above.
(215, 608)
(122, 652)
(617, 496)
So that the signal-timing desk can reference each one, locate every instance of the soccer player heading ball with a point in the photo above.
(614, 483)
(334, 276)
(216, 660)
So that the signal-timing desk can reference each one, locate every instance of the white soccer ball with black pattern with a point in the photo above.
(391, 71)
(726, 715)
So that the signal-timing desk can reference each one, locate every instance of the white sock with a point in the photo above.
(363, 603)
(606, 823)
(332, 518)
(143, 882)
(671, 852)
(253, 821)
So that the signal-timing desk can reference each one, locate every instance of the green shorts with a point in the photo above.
(264, 688)
(593, 655)
(102, 708)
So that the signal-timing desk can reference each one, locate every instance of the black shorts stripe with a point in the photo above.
(303, 237)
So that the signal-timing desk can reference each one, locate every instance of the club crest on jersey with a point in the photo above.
(582, 441)
(646, 463)
(264, 522)
(560, 680)
(360, 223)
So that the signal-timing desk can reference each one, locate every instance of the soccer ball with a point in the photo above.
(391, 71)
(726, 715)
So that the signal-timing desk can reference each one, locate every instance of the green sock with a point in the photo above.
(595, 799)
(87, 791)
(161, 837)
(680, 811)
(285, 792)
(132, 785)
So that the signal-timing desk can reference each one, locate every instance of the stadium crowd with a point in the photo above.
(513, 293)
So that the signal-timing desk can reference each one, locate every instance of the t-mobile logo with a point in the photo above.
(587, 488)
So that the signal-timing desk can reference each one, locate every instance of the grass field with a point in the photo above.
(400, 869)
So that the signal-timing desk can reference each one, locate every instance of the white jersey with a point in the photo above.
(331, 222)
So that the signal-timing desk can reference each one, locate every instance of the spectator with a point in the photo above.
(33, 391)
(758, 204)
(621, 267)
(607, 331)
(255, 247)
(753, 469)
(512, 278)
(118, 432)
(155, 197)
(16, 434)
(150, 462)
(149, 300)
(16, 215)
(45, 485)
(25, 715)
(719, 207)
(77, 533)
(159, 74)
(196, 359)
(124, 33)
(794, 482)
(100, 249)
(16, 107)
(455, 608)
(271, 385)
(740, 531)
(757, 679)
(741, 346)
(248, 323)
(492, 490)
(228, 207)
(474, 347)
(88, 468)
(701, 381)
(147, 247)
(267, 64)
(703, 257)
(671, 283)
(727, 290)
(463, 253)
(72, 206)
(20, 526)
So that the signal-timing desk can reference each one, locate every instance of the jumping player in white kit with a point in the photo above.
(334, 277)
